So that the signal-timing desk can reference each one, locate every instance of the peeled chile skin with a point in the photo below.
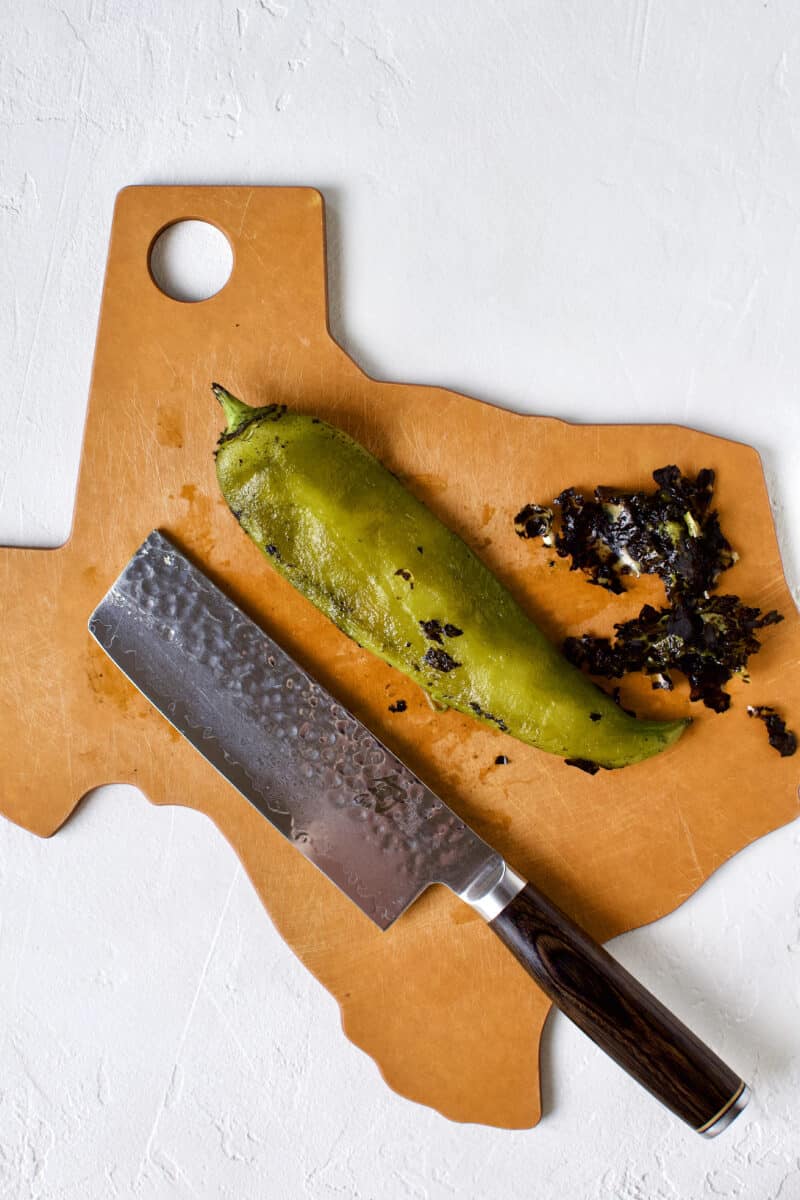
(348, 535)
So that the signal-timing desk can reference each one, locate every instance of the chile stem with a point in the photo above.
(236, 412)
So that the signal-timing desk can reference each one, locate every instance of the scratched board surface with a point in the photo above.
(447, 1015)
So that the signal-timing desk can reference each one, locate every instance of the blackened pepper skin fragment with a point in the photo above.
(781, 738)
(671, 532)
(583, 764)
(532, 521)
(674, 533)
(348, 531)
(708, 640)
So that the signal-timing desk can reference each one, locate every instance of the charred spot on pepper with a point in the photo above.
(502, 760)
(273, 412)
(595, 716)
(487, 716)
(432, 630)
(419, 549)
(273, 551)
(405, 574)
(399, 706)
(583, 764)
(780, 738)
(440, 660)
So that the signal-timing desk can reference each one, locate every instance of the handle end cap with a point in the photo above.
(729, 1113)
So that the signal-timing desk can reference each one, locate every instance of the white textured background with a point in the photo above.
(585, 209)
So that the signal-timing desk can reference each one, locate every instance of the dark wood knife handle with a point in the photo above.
(619, 1014)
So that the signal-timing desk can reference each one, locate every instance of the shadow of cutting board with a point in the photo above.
(447, 1015)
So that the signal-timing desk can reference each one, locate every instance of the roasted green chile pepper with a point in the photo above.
(348, 535)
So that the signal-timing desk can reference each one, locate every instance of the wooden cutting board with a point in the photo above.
(447, 1015)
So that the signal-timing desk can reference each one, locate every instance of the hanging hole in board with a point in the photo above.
(191, 261)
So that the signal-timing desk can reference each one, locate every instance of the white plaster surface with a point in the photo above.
(583, 209)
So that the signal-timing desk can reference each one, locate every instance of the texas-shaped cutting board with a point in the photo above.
(448, 1016)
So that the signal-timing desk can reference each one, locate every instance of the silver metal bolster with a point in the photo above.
(729, 1113)
(493, 890)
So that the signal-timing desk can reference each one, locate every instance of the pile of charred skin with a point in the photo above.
(674, 533)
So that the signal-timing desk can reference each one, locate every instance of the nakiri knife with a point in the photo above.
(367, 822)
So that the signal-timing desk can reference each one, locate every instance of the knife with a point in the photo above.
(367, 822)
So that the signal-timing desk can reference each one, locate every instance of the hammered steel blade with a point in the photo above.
(305, 762)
